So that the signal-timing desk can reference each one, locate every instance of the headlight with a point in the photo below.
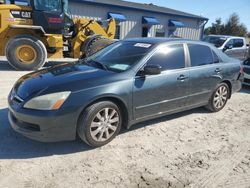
(48, 102)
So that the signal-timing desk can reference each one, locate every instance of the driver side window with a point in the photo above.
(230, 43)
(169, 57)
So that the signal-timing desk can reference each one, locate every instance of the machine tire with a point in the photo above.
(85, 129)
(26, 53)
(95, 44)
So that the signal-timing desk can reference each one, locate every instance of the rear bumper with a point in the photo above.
(237, 84)
(246, 75)
(44, 128)
(246, 82)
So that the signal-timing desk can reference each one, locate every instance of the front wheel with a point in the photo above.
(219, 98)
(100, 123)
(26, 53)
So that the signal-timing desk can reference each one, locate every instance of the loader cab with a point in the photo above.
(50, 14)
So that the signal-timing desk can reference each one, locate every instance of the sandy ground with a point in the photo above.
(190, 149)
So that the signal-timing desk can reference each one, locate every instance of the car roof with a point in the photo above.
(225, 36)
(152, 40)
(160, 40)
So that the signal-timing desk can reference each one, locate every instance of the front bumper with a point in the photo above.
(43, 126)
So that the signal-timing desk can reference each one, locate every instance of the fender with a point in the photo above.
(40, 28)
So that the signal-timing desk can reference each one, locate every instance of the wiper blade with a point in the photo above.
(91, 62)
(100, 65)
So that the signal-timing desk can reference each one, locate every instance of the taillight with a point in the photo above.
(241, 70)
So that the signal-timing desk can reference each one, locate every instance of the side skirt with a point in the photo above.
(161, 114)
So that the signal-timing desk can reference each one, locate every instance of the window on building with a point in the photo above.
(118, 31)
(145, 31)
(171, 32)
(200, 55)
(160, 33)
(169, 57)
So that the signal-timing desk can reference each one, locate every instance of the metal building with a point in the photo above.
(141, 20)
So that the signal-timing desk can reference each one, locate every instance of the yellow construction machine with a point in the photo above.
(29, 34)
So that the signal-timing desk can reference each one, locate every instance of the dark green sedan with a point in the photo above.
(125, 83)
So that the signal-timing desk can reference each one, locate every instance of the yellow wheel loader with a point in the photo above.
(43, 29)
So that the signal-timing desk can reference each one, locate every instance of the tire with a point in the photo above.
(26, 53)
(96, 44)
(219, 98)
(97, 129)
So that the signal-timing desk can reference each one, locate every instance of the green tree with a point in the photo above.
(233, 27)
(217, 27)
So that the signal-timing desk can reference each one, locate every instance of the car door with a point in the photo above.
(205, 73)
(228, 49)
(239, 49)
(156, 94)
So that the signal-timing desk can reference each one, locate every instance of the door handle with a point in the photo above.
(217, 70)
(182, 77)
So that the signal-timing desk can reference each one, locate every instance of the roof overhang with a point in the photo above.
(176, 23)
(150, 20)
(139, 7)
(117, 16)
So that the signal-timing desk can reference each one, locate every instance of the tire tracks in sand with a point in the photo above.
(217, 174)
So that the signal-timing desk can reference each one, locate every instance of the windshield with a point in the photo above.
(119, 56)
(217, 41)
(48, 5)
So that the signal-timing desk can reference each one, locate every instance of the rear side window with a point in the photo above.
(200, 55)
(169, 57)
(216, 57)
(235, 43)
(238, 43)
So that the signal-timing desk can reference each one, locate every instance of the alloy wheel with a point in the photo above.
(220, 97)
(104, 124)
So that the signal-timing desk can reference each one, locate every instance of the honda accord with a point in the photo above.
(125, 83)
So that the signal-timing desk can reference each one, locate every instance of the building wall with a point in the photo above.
(132, 27)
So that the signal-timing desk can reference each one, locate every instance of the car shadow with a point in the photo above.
(5, 66)
(15, 146)
(245, 89)
(166, 118)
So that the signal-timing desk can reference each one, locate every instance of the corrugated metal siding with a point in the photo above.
(186, 32)
(133, 26)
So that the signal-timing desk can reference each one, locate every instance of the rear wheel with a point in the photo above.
(100, 123)
(219, 98)
(26, 53)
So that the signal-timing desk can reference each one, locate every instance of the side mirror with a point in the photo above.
(227, 48)
(230, 47)
(152, 69)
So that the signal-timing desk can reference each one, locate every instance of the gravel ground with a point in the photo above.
(190, 149)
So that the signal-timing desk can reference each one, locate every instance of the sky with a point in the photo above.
(210, 9)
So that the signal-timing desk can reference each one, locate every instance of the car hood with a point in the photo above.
(64, 77)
